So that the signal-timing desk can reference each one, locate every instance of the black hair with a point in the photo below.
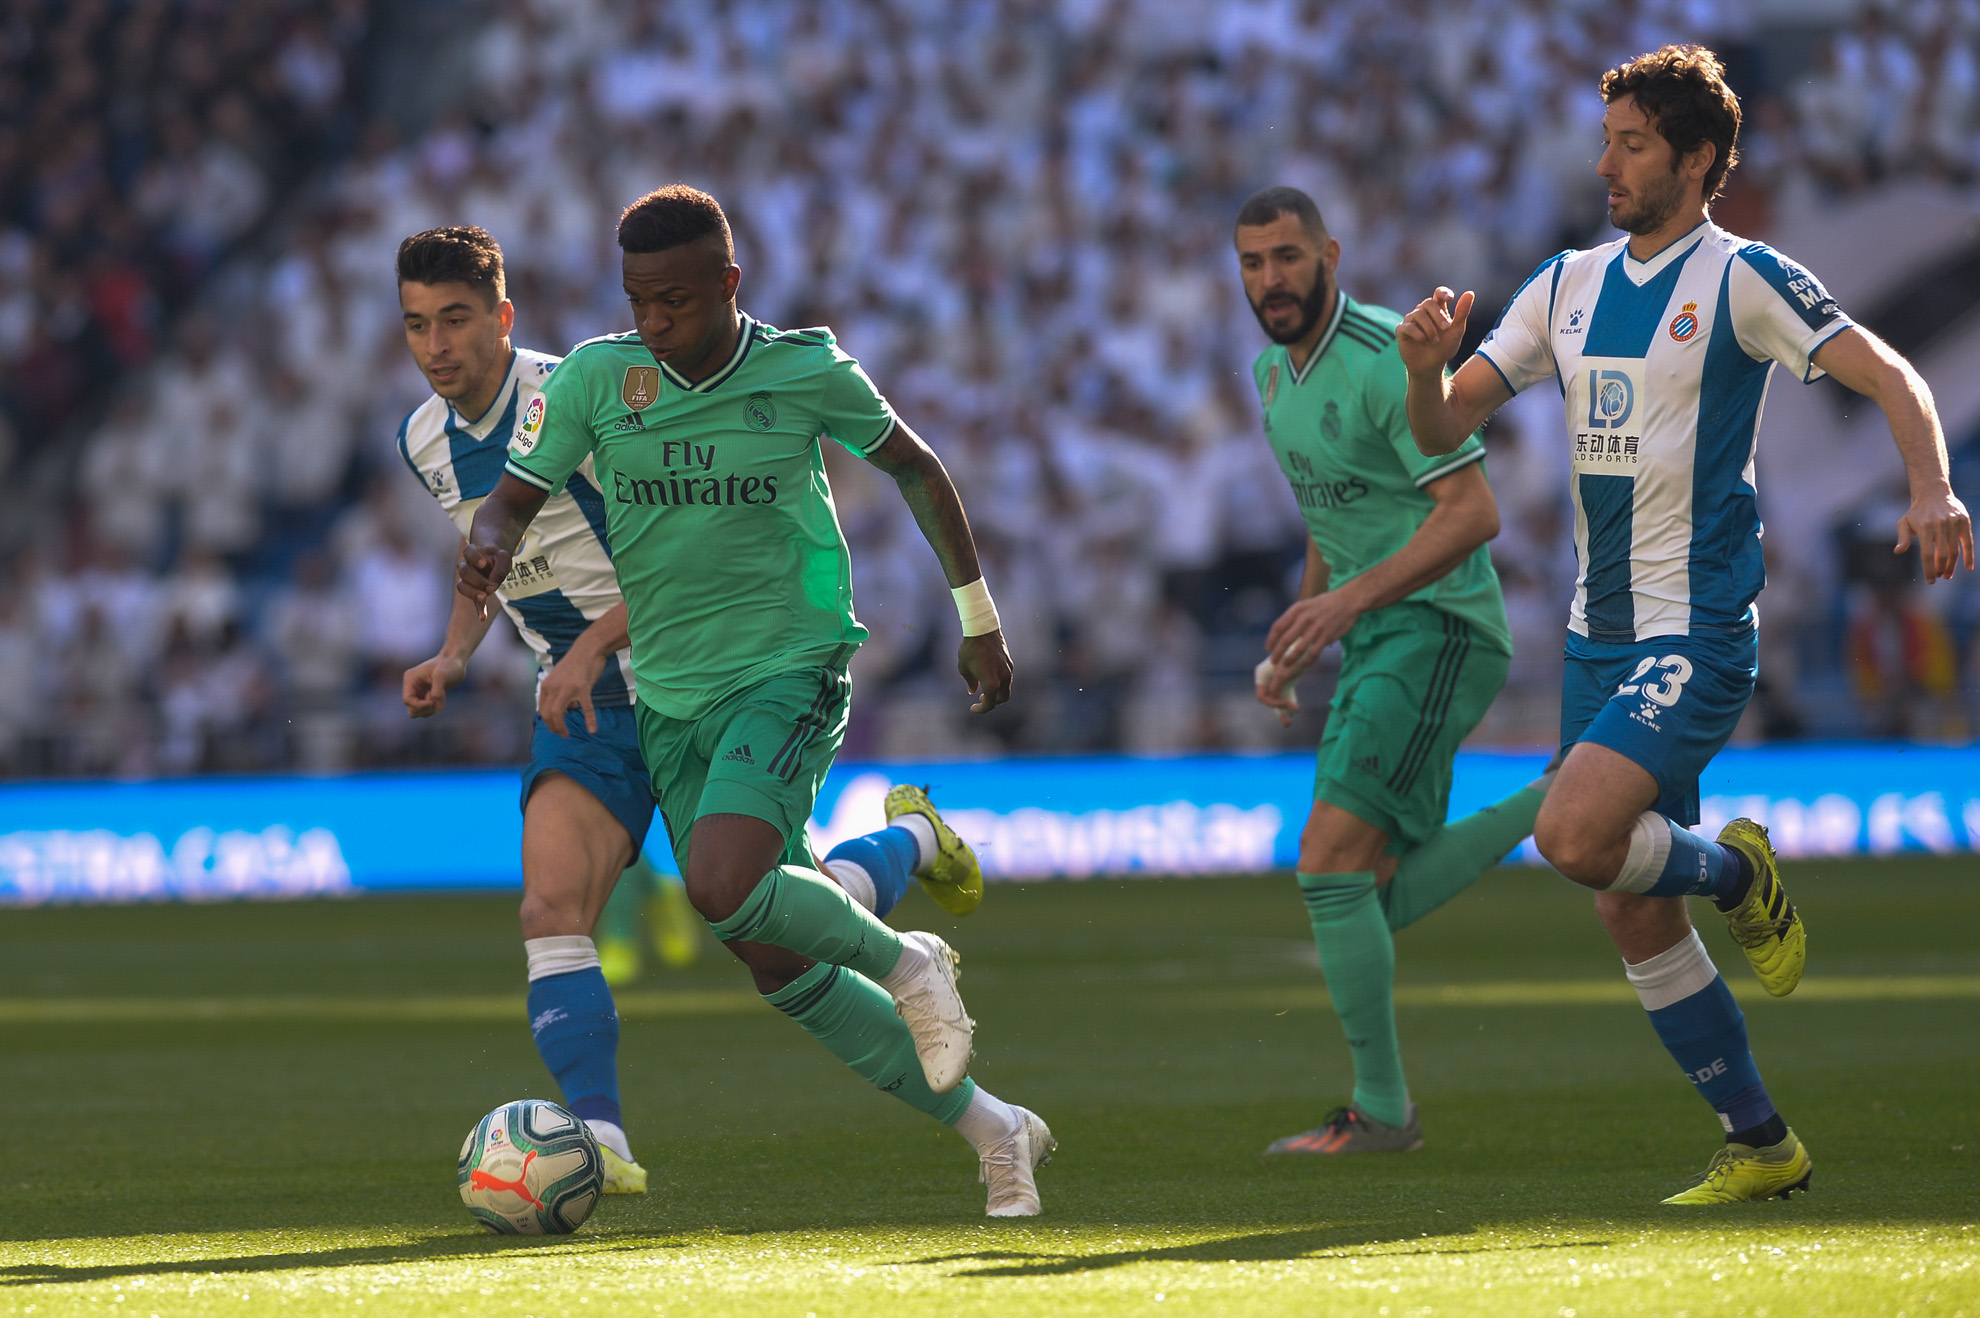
(1268, 204)
(671, 216)
(1683, 91)
(455, 254)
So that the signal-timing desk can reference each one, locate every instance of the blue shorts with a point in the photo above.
(606, 764)
(1668, 703)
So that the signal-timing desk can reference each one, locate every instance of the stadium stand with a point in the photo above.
(1015, 212)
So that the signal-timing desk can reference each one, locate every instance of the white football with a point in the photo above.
(531, 1168)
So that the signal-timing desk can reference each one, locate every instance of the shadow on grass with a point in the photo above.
(421, 1251)
(1255, 1247)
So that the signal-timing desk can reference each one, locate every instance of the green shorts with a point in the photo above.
(762, 752)
(1414, 682)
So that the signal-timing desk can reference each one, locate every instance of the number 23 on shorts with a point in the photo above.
(1674, 671)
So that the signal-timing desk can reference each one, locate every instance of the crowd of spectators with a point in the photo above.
(1016, 213)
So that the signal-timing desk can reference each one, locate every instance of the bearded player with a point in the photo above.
(1398, 573)
(705, 429)
(1662, 344)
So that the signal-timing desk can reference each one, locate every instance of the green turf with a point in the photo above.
(244, 1109)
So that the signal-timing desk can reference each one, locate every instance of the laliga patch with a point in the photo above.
(640, 388)
(1685, 324)
(531, 428)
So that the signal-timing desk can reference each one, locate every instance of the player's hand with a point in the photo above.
(1428, 337)
(1309, 627)
(480, 570)
(567, 684)
(425, 686)
(985, 664)
(1276, 689)
(1944, 531)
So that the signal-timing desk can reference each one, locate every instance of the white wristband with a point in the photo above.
(976, 609)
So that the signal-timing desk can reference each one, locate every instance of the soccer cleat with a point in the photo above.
(1010, 1168)
(934, 1014)
(954, 879)
(1350, 1130)
(621, 1176)
(618, 960)
(1765, 922)
(674, 925)
(1739, 1172)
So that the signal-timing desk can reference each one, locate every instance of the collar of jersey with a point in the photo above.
(1642, 272)
(1320, 348)
(745, 331)
(483, 424)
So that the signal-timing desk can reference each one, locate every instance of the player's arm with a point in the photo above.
(984, 661)
(1445, 410)
(1313, 580)
(1465, 517)
(425, 686)
(1937, 520)
(491, 541)
(570, 679)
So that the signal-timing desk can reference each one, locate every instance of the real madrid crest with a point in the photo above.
(641, 387)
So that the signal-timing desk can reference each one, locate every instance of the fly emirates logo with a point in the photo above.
(691, 481)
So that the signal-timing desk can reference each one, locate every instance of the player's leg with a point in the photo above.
(755, 886)
(916, 844)
(573, 850)
(1608, 824)
(1442, 858)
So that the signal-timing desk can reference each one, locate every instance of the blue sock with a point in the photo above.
(888, 858)
(577, 1031)
(1703, 1029)
(1668, 860)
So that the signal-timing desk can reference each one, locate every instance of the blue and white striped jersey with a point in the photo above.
(1663, 366)
(562, 579)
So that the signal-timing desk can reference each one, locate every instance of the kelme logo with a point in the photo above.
(759, 412)
(640, 388)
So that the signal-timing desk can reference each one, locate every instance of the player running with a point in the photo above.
(1397, 571)
(1662, 344)
(586, 800)
(705, 427)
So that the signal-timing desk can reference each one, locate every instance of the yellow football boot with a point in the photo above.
(618, 960)
(953, 877)
(622, 1177)
(674, 925)
(1740, 1172)
(1765, 922)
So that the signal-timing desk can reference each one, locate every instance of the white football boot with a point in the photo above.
(926, 999)
(1010, 1167)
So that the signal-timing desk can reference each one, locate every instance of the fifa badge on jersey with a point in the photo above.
(1271, 384)
(641, 387)
(531, 428)
(1686, 323)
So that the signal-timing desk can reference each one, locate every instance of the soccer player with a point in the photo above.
(1397, 571)
(1662, 344)
(705, 427)
(586, 800)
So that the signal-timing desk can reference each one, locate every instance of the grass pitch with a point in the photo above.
(255, 1109)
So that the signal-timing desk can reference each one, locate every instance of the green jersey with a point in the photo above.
(714, 501)
(1342, 438)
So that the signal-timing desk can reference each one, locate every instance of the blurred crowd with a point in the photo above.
(1016, 213)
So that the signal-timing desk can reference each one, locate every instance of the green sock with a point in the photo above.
(807, 913)
(620, 918)
(854, 1017)
(1452, 859)
(1358, 957)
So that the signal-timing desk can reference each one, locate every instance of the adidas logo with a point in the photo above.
(630, 421)
(1369, 764)
(741, 755)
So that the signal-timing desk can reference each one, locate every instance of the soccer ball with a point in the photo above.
(530, 1168)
